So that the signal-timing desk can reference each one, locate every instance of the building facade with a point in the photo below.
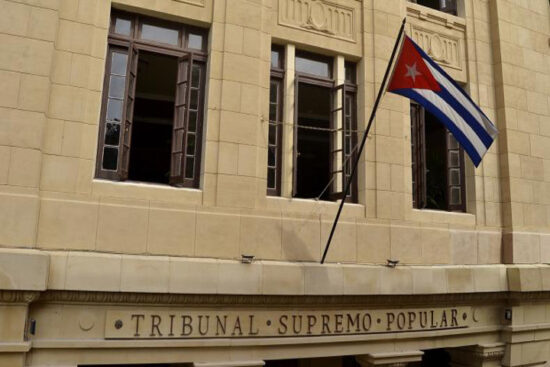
(170, 171)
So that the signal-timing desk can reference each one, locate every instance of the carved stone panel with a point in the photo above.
(443, 49)
(318, 16)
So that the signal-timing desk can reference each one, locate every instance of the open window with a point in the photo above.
(151, 120)
(437, 164)
(324, 129)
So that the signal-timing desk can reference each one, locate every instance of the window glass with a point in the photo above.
(195, 41)
(118, 63)
(159, 34)
(350, 72)
(116, 86)
(123, 26)
(308, 65)
(110, 157)
(276, 59)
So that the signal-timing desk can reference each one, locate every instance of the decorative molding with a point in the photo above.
(192, 2)
(18, 296)
(490, 356)
(270, 300)
(319, 16)
(443, 49)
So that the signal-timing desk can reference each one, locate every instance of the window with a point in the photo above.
(152, 109)
(447, 6)
(437, 164)
(323, 131)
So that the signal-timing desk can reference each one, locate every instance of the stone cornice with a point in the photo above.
(268, 300)
(18, 296)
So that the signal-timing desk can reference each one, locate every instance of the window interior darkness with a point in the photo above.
(153, 118)
(436, 155)
(313, 145)
(448, 6)
(433, 358)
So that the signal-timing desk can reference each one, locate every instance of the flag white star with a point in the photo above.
(412, 72)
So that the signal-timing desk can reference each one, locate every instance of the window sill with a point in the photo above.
(146, 191)
(312, 206)
(444, 217)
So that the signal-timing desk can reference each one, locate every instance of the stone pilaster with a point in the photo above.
(391, 359)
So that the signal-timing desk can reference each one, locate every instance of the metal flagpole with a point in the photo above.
(366, 133)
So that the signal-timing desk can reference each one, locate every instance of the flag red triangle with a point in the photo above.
(410, 70)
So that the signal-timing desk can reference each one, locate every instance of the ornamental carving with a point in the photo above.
(18, 296)
(443, 49)
(261, 300)
(319, 17)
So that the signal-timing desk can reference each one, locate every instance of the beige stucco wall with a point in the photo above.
(149, 238)
(51, 99)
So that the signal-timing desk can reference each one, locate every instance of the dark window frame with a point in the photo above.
(305, 78)
(350, 91)
(419, 169)
(276, 77)
(129, 43)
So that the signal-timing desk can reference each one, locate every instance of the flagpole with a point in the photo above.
(365, 134)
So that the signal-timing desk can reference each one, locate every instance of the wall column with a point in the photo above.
(392, 359)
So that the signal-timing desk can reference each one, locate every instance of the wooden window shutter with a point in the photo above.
(295, 140)
(350, 143)
(337, 156)
(111, 127)
(181, 113)
(418, 156)
(455, 175)
(128, 115)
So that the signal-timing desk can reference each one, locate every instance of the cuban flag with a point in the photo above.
(418, 77)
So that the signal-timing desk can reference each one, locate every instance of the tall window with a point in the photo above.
(274, 146)
(324, 128)
(437, 164)
(447, 6)
(314, 127)
(152, 109)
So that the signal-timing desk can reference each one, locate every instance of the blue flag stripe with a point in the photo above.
(470, 120)
(442, 117)
(462, 125)
(478, 121)
(451, 80)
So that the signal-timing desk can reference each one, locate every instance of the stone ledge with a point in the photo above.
(528, 278)
(25, 270)
(89, 271)
(78, 271)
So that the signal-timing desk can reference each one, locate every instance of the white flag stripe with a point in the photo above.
(455, 117)
(467, 104)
